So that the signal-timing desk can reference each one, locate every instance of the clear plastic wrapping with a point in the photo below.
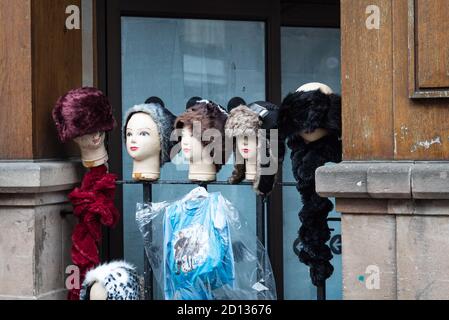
(200, 249)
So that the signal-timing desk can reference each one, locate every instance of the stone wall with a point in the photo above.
(395, 227)
(34, 235)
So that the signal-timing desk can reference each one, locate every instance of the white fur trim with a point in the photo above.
(312, 86)
(100, 273)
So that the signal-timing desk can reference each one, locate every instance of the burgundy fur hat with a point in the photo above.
(82, 111)
(210, 116)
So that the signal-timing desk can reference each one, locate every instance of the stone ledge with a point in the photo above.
(384, 180)
(32, 199)
(421, 207)
(54, 295)
(39, 177)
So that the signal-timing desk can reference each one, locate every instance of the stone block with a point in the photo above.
(17, 246)
(389, 181)
(422, 260)
(430, 181)
(348, 179)
(48, 253)
(368, 242)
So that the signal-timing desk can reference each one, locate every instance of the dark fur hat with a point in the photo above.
(82, 111)
(235, 102)
(244, 120)
(192, 101)
(210, 116)
(310, 110)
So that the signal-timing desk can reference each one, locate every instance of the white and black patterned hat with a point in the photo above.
(119, 279)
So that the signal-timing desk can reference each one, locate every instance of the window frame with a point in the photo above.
(275, 14)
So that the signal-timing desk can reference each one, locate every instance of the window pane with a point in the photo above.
(308, 55)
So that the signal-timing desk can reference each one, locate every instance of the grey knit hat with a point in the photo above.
(164, 120)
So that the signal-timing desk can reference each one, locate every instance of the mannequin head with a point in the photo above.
(93, 151)
(253, 146)
(142, 137)
(247, 146)
(91, 141)
(192, 148)
(205, 161)
(84, 115)
(311, 113)
(146, 131)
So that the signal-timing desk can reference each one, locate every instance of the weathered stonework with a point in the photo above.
(35, 236)
(395, 217)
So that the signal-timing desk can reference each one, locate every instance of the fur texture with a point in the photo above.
(210, 116)
(82, 111)
(192, 101)
(244, 121)
(164, 120)
(119, 278)
(235, 102)
(309, 111)
(93, 205)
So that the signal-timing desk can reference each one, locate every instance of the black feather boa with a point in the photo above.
(314, 231)
(308, 111)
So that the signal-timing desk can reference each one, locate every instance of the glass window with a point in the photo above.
(176, 59)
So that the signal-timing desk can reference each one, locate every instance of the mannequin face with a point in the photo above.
(191, 146)
(314, 135)
(247, 146)
(320, 132)
(91, 141)
(142, 137)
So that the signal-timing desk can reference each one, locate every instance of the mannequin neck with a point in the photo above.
(98, 292)
(94, 157)
(202, 171)
(147, 169)
(314, 135)
(250, 169)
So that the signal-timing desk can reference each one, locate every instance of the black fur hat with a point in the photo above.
(192, 101)
(235, 102)
(309, 110)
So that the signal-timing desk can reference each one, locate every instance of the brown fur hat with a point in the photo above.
(242, 121)
(210, 116)
(245, 121)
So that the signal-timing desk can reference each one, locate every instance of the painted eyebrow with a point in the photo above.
(138, 129)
